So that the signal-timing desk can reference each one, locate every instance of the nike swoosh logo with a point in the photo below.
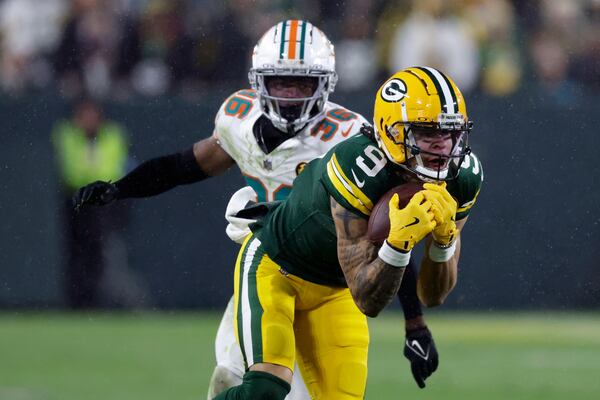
(416, 221)
(359, 183)
(347, 131)
(417, 349)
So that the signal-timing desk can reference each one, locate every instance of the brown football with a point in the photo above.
(379, 221)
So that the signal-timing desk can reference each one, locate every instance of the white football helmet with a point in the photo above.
(293, 48)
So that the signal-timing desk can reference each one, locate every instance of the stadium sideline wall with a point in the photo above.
(533, 239)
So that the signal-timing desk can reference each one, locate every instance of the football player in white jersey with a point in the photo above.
(270, 132)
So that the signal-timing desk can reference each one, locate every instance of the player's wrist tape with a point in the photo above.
(439, 253)
(392, 256)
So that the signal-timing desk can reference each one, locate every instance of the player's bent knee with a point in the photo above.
(222, 379)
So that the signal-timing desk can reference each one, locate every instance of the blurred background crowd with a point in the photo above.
(112, 83)
(115, 49)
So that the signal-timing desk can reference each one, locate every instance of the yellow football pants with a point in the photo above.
(280, 316)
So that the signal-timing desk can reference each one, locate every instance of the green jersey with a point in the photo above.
(299, 234)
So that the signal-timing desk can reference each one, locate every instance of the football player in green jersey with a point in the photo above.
(308, 276)
(269, 138)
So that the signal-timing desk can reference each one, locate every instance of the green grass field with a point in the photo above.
(170, 356)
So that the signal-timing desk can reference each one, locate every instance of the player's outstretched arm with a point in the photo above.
(157, 175)
(372, 282)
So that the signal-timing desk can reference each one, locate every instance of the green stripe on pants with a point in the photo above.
(249, 308)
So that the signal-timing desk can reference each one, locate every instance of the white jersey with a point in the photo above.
(271, 175)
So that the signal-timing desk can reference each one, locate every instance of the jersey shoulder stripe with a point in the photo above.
(346, 188)
(464, 209)
(355, 174)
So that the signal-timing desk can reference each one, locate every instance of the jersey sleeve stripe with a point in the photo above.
(347, 195)
(345, 188)
(353, 188)
(467, 206)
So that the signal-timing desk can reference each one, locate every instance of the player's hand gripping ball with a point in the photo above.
(444, 211)
(379, 222)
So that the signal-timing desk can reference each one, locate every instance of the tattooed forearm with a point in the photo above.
(372, 282)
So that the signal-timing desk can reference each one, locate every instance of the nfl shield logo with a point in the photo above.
(267, 164)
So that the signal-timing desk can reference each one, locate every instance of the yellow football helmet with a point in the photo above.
(420, 102)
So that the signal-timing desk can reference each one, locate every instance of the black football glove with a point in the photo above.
(97, 193)
(420, 350)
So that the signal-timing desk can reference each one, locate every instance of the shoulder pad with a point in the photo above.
(354, 174)
(238, 105)
(337, 124)
(234, 109)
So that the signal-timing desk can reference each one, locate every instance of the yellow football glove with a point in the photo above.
(444, 211)
(410, 224)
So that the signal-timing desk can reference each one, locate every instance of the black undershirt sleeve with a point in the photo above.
(407, 294)
(160, 174)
